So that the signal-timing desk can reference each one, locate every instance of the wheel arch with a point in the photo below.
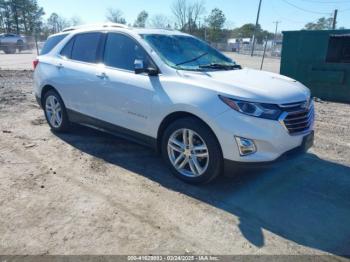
(46, 89)
(170, 118)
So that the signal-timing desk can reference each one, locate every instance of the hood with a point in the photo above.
(251, 85)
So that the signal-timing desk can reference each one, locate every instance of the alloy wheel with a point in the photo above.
(188, 153)
(53, 111)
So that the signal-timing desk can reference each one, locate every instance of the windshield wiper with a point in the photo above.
(193, 59)
(220, 66)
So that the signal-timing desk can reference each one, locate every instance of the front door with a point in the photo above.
(125, 98)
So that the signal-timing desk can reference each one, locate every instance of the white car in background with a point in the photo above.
(175, 93)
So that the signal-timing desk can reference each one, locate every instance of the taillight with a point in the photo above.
(35, 63)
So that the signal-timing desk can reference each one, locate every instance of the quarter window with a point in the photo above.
(67, 50)
(85, 47)
(121, 52)
(51, 43)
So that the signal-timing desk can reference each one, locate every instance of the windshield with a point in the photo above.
(188, 53)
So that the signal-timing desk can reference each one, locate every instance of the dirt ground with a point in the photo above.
(90, 193)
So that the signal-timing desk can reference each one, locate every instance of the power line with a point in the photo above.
(286, 17)
(305, 10)
(326, 2)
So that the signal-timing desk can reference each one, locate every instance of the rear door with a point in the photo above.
(76, 76)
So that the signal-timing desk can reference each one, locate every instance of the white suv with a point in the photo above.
(175, 93)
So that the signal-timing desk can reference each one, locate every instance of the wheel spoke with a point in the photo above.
(53, 119)
(58, 118)
(201, 151)
(176, 145)
(49, 107)
(181, 161)
(52, 101)
(185, 137)
(183, 164)
(202, 155)
(57, 106)
(200, 148)
(193, 167)
(190, 138)
(196, 164)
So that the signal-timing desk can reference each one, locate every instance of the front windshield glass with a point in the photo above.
(188, 53)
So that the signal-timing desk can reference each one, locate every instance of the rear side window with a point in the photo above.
(85, 47)
(121, 52)
(51, 43)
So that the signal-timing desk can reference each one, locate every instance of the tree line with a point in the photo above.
(27, 17)
(190, 16)
(20, 16)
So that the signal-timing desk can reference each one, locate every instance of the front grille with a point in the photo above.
(298, 117)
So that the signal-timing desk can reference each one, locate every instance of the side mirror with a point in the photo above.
(140, 68)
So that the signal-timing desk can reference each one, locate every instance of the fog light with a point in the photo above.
(245, 146)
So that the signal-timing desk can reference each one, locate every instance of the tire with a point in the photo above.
(20, 46)
(59, 122)
(10, 50)
(194, 153)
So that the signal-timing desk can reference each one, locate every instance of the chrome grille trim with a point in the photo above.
(291, 105)
(296, 119)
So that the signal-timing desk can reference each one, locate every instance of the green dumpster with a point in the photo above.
(320, 60)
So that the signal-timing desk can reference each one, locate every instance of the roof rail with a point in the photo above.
(116, 25)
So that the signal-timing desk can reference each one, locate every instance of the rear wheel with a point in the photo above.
(192, 151)
(55, 112)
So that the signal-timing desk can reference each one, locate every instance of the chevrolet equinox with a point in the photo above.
(175, 93)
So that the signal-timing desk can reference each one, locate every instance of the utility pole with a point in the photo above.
(276, 31)
(256, 26)
(335, 19)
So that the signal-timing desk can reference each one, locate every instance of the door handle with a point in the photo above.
(59, 66)
(101, 75)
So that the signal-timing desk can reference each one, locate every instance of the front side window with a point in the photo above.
(188, 53)
(121, 52)
(85, 47)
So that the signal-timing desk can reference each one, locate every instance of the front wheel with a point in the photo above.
(192, 151)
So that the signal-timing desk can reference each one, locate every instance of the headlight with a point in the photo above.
(267, 111)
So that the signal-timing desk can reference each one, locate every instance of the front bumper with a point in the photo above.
(271, 138)
(230, 166)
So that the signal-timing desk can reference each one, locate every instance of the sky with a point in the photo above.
(292, 14)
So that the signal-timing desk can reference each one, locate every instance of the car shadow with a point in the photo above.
(305, 200)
